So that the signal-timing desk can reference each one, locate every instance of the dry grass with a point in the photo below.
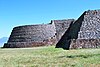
(49, 57)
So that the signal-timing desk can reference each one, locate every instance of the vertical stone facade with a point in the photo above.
(32, 35)
(66, 34)
(90, 28)
(61, 26)
(89, 34)
(83, 33)
(37, 35)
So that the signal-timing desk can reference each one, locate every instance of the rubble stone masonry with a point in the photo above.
(83, 33)
(37, 35)
(68, 33)
(32, 35)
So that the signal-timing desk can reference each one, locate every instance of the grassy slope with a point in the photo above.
(49, 57)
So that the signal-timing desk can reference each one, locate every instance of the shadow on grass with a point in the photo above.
(82, 56)
(1, 47)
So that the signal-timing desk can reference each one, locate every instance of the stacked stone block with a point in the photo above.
(85, 43)
(83, 33)
(61, 26)
(37, 35)
(32, 35)
(90, 28)
(89, 34)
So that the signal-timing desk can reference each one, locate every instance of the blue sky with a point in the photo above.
(23, 12)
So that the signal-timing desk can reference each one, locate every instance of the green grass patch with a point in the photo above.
(49, 57)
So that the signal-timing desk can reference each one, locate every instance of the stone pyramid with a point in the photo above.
(83, 33)
(37, 35)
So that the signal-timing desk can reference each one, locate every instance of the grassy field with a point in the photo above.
(49, 57)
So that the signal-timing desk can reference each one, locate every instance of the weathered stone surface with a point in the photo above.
(32, 35)
(61, 26)
(84, 32)
(37, 35)
(90, 28)
(85, 43)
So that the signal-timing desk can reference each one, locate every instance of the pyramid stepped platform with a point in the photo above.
(67, 34)
(31, 36)
(37, 35)
(83, 33)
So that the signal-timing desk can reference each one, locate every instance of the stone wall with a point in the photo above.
(90, 28)
(89, 34)
(71, 33)
(38, 35)
(32, 35)
(85, 43)
(61, 26)
(84, 32)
